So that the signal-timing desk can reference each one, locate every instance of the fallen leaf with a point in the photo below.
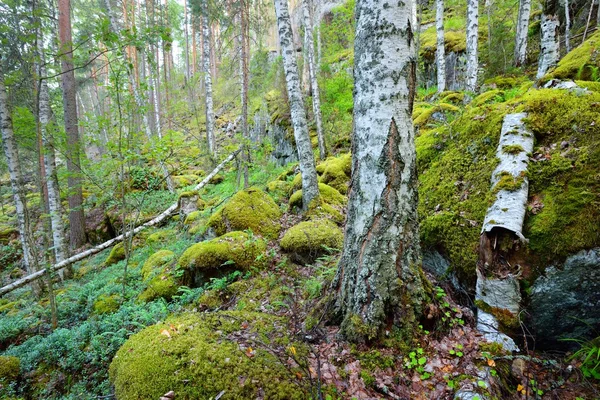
(491, 362)
(165, 333)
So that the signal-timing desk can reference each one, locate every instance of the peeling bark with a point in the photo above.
(522, 29)
(310, 189)
(440, 52)
(379, 282)
(472, 44)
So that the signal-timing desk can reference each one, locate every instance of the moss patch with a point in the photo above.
(116, 254)
(423, 114)
(10, 368)
(106, 304)
(201, 349)
(306, 241)
(583, 62)
(335, 172)
(328, 194)
(160, 237)
(157, 275)
(248, 209)
(454, 41)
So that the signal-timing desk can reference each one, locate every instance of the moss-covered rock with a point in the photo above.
(422, 115)
(116, 254)
(335, 172)
(234, 250)
(197, 357)
(279, 189)
(160, 237)
(454, 42)
(248, 209)
(215, 180)
(582, 63)
(328, 194)
(305, 241)
(319, 208)
(10, 369)
(106, 304)
(490, 96)
(157, 274)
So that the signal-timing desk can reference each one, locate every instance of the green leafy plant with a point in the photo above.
(589, 355)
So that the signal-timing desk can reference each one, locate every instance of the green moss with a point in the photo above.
(157, 274)
(248, 209)
(157, 262)
(512, 149)
(335, 172)
(321, 209)
(8, 306)
(329, 195)
(422, 116)
(10, 369)
(491, 96)
(192, 217)
(505, 82)
(582, 63)
(454, 41)
(452, 97)
(506, 319)
(107, 304)
(429, 144)
(296, 183)
(201, 349)
(161, 236)
(305, 241)
(215, 180)
(508, 182)
(593, 86)
(279, 189)
(237, 250)
(116, 254)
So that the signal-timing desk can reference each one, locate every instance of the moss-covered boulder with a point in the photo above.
(582, 63)
(234, 250)
(199, 356)
(10, 369)
(215, 180)
(424, 113)
(160, 237)
(336, 171)
(157, 274)
(116, 254)
(279, 189)
(248, 209)
(319, 208)
(310, 239)
(328, 194)
(106, 304)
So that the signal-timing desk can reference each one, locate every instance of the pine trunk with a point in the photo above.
(379, 281)
(549, 44)
(522, 29)
(440, 53)
(472, 44)
(210, 113)
(69, 88)
(310, 188)
(312, 72)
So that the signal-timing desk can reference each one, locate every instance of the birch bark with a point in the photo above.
(440, 52)
(472, 44)
(210, 113)
(379, 279)
(310, 188)
(312, 72)
(549, 44)
(522, 29)
(568, 26)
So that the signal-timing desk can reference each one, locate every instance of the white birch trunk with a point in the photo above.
(440, 52)
(310, 188)
(16, 180)
(210, 113)
(549, 45)
(472, 44)
(522, 29)
(314, 84)
(568, 26)
(58, 237)
(379, 278)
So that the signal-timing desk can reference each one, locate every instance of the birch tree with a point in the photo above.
(56, 224)
(312, 72)
(310, 188)
(69, 88)
(208, 98)
(379, 279)
(472, 44)
(549, 44)
(244, 72)
(16, 181)
(440, 52)
(568, 25)
(522, 29)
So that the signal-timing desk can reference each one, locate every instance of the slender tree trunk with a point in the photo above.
(49, 161)
(213, 50)
(312, 72)
(472, 44)
(318, 33)
(379, 279)
(310, 188)
(210, 113)
(187, 43)
(440, 53)
(16, 180)
(568, 25)
(245, 56)
(76, 217)
(549, 44)
(522, 30)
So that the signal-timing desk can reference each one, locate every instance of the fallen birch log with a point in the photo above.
(94, 250)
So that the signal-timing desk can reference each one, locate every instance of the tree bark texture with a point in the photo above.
(310, 188)
(379, 281)
(440, 53)
(210, 113)
(472, 44)
(549, 45)
(76, 217)
(522, 29)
